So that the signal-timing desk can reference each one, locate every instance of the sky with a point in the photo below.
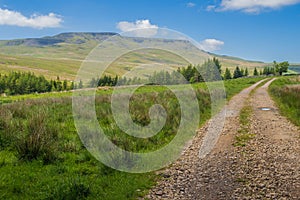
(262, 30)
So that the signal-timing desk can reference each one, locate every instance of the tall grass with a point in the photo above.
(37, 140)
(42, 157)
(286, 93)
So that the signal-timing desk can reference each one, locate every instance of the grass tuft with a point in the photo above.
(244, 135)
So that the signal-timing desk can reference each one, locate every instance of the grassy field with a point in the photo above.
(65, 58)
(50, 68)
(286, 93)
(42, 157)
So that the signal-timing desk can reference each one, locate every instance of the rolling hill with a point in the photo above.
(63, 54)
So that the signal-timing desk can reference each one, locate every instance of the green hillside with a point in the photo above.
(63, 54)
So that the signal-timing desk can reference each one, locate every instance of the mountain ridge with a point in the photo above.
(67, 37)
(62, 54)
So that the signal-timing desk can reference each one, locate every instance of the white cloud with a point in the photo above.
(210, 7)
(13, 18)
(190, 5)
(254, 6)
(140, 28)
(211, 45)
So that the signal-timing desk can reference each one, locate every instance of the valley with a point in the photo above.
(240, 158)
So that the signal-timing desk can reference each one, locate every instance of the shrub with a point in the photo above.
(38, 140)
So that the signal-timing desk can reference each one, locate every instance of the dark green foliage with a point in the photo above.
(209, 71)
(281, 67)
(72, 86)
(242, 72)
(217, 64)
(237, 73)
(255, 73)
(65, 85)
(23, 83)
(246, 72)
(27, 83)
(108, 81)
(269, 71)
(227, 74)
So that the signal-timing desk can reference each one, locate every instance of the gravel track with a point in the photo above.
(266, 168)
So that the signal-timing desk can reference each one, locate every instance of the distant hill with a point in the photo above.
(68, 38)
(295, 68)
(62, 54)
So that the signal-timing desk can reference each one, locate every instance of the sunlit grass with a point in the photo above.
(63, 168)
(286, 93)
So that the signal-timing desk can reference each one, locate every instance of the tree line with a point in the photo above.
(27, 82)
(15, 83)
(276, 69)
(210, 71)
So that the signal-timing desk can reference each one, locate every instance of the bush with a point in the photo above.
(38, 140)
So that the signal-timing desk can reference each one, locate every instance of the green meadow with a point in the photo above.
(42, 156)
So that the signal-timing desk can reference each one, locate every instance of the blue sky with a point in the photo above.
(263, 30)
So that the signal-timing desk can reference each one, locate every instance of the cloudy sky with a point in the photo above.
(263, 30)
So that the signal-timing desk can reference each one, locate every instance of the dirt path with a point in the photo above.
(267, 168)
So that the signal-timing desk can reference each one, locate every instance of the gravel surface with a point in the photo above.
(266, 168)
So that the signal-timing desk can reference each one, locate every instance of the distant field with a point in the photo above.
(295, 68)
(231, 64)
(50, 68)
(64, 58)
(146, 61)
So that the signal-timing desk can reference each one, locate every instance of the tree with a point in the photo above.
(246, 72)
(255, 73)
(227, 74)
(58, 84)
(23, 83)
(218, 64)
(210, 70)
(80, 85)
(237, 73)
(72, 86)
(242, 72)
(269, 70)
(65, 85)
(281, 67)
